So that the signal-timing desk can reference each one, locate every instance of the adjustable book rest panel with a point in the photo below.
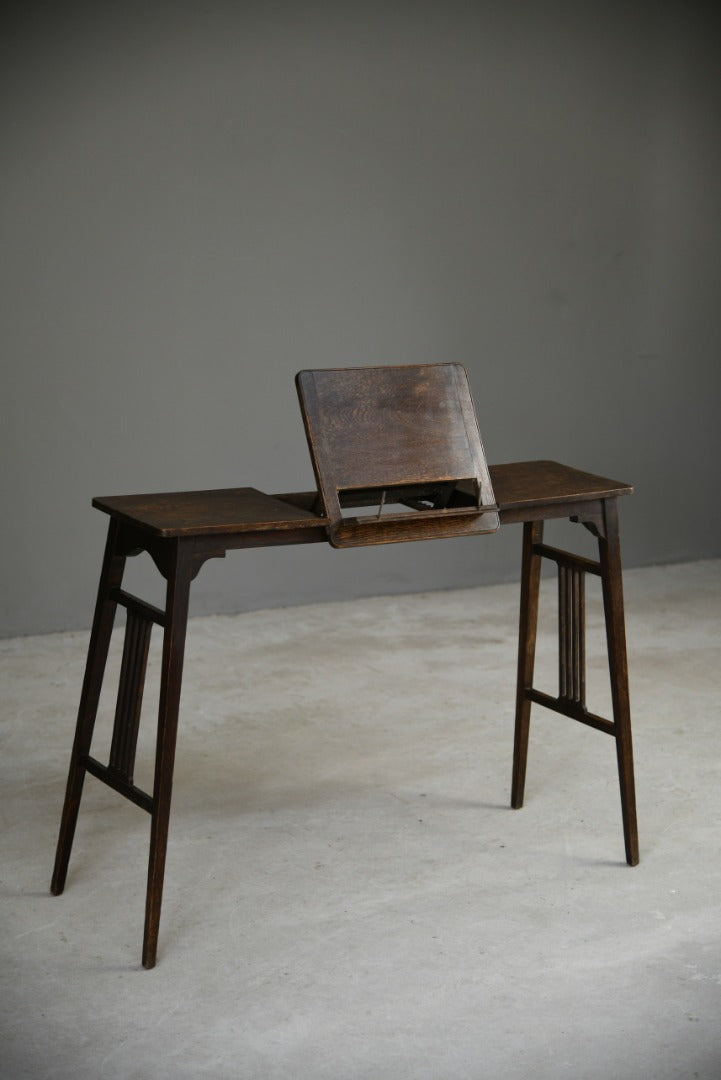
(397, 453)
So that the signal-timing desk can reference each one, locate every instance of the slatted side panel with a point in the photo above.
(571, 632)
(130, 694)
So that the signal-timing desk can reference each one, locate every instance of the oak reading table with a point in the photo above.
(397, 456)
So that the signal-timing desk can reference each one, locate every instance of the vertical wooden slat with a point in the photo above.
(571, 633)
(564, 630)
(579, 637)
(130, 694)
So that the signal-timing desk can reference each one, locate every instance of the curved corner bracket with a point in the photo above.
(133, 541)
(200, 557)
(594, 522)
(189, 551)
(130, 541)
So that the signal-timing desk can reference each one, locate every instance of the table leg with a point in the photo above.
(110, 578)
(181, 571)
(610, 559)
(530, 581)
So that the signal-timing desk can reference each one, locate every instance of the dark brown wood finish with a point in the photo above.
(611, 577)
(524, 486)
(405, 436)
(181, 530)
(111, 575)
(221, 512)
(528, 622)
(176, 610)
(601, 516)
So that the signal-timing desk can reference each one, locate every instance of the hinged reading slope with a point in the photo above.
(397, 453)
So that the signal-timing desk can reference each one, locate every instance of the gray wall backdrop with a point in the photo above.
(200, 199)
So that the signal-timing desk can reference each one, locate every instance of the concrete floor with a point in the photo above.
(347, 893)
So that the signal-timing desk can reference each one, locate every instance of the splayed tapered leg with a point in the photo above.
(176, 614)
(530, 581)
(610, 558)
(110, 579)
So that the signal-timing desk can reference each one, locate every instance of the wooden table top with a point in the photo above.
(543, 483)
(517, 486)
(204, 513)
